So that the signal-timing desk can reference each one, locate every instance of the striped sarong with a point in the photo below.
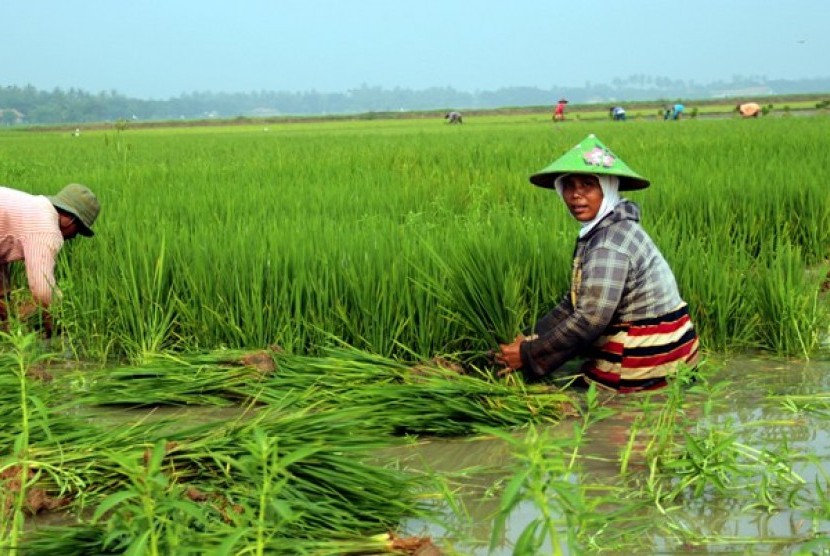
(640, 355)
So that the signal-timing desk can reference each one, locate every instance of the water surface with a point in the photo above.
(754, 405)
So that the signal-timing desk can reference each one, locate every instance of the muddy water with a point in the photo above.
(752, 406)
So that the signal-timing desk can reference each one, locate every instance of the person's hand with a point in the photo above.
(30, 309)
(27, 310)
(510, 355)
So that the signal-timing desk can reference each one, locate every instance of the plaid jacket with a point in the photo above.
(618, 276)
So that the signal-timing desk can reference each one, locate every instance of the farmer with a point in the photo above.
(33, 229)
(617, 113)
(559, 111)
(453, 118)
(623, 312)
(749, 109)
(674, 112)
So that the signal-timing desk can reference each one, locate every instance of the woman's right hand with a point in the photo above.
(510, 355)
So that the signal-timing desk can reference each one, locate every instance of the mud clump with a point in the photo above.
(37, 499)
(260, 361)
(414, 546)
(195, 494)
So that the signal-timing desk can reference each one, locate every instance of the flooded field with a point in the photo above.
(759, 429)
(750, 445)
(758, 405)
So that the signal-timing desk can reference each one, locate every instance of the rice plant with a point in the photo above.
(385, 259)
(423, 241)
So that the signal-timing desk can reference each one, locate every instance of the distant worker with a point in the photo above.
(453, 118)
(33, 229)
(749, 109)
(559, 111)
(673, 112)
(617, 113)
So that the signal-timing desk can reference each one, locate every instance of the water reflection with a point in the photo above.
(755, 406)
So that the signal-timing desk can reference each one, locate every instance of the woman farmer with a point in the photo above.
(623, 313)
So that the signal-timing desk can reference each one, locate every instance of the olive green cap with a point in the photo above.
(590, 156)
(80, 202)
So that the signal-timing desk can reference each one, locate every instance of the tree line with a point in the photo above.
(27, 105)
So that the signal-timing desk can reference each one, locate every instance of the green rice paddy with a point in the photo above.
(373, 263)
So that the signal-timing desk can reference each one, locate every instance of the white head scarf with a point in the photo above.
(610, 198)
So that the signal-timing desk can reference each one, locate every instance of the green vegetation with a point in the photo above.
(413, 239)
(688, 463)
(333, 286)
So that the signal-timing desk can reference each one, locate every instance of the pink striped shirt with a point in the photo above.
(30, 232)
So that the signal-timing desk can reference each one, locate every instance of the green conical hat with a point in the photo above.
(590, 156)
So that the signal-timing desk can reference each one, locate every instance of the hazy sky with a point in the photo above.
(163, 48)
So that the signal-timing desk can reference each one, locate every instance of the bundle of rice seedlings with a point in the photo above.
(436, 398)
(325, 453)
(215, 379)
(304, 473)
(85, 539)
(447, 404)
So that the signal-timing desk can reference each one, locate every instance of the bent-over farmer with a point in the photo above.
(749, 109)
(453, 117)
(33, 229)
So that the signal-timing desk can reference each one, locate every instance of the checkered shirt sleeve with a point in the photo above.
(567, 329)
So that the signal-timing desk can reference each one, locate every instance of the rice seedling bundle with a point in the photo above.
(436, 397)
(306, 476)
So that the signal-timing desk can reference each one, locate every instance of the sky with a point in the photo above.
(159, 49)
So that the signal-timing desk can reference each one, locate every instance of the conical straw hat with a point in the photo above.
(590, 156)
